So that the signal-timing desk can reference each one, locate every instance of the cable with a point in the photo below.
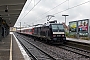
(30, 10)
(47, 11)
(72, 7)
(28, 5)
(63, 10)
(68, 8)
(34, 2)
(68, 4)
(55, 7)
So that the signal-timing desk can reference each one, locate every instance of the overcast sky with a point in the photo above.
(76, 9)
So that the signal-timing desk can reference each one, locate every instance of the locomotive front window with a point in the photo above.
(57, 27)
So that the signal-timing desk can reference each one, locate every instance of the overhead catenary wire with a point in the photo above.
(68, 3)
(34, 2)
(25, 7)
(45, 12)
(69, 8)
(30, 10)
(55, 7)
(28, 5)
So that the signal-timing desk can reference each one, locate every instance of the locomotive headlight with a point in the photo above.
(54, 35)
(62, 35)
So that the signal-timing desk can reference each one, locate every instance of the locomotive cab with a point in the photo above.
(58, 33)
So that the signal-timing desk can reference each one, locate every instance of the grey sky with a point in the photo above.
(38, 13)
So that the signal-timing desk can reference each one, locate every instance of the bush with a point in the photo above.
(70, 36)
(67, 34)
(85, 38)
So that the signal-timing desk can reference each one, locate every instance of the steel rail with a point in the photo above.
(37, 48)
(27, 50)
(70, 49)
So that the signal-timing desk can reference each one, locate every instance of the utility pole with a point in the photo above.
(65, 18)
(20, 26)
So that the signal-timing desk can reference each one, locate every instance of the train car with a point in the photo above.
(26, 31)
(51, 32)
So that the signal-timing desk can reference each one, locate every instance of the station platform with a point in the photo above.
(79, 40)
(5, 48)
(10, 49)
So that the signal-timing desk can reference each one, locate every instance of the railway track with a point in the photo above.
(76, 50)
(35, 52)
(60, 52)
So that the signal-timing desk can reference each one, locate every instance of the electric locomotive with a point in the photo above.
(52, 32)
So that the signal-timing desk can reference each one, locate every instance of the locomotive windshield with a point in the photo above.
(57, 27)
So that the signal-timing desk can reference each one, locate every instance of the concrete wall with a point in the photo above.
(0, 28)
(4, 29)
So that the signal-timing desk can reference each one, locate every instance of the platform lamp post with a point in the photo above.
(65, 18)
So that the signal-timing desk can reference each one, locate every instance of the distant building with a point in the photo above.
(13, 29)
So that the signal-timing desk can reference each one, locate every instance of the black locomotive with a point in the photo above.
(51, 32)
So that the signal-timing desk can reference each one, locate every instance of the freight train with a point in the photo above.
(51, 32)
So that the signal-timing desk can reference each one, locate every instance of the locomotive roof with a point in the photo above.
(25, 28)
(46, 24)
(39, 26)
